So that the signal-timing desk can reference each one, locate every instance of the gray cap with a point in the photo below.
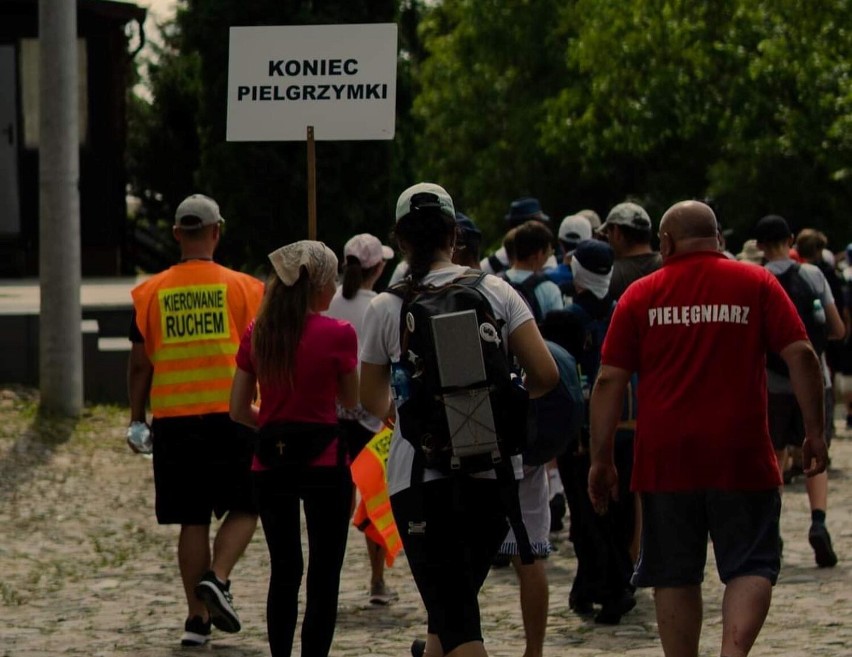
(197, 211)
(628, 214)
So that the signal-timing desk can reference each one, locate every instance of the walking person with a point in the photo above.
(809, 291)
(364, 262)
(697, 332)
(187, 322)
(451, 526)
(302, 362)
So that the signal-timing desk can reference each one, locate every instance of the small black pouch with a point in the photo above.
(296, 443)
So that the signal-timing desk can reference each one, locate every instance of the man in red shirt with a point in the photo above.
(697, 332)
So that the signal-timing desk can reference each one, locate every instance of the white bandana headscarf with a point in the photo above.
(319, 261)
(597, 284)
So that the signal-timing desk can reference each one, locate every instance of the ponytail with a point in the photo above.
(424, 234)
(353, 277)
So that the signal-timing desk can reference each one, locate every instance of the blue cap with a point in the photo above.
(595, 256)
(524, 209)
(466, 225)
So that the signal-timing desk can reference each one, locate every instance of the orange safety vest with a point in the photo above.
(373, 515)
(192, 317)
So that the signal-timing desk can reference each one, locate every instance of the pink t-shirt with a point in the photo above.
(697, 332)
(327, 349)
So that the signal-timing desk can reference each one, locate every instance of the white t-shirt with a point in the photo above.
(776, 383)
(380, 346)
(352, 310)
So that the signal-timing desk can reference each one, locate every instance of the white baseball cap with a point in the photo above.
(368, 249)
(424, 195)
(197, 211)
(574, 229)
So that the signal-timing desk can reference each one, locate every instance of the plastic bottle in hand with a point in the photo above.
(139, 438)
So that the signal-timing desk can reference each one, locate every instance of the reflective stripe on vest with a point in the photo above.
(369, 472)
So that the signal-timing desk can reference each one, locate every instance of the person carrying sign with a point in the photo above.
(185, 332)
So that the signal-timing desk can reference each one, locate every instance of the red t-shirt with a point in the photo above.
(328, 348)
(697, 332)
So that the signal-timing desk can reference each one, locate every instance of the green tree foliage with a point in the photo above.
(482, 90)
(582, 103)
(746, 101)
(163, 146)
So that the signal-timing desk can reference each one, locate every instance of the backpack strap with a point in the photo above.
(508, 487)
(526, 288)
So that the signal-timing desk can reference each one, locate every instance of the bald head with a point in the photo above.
(688, 226)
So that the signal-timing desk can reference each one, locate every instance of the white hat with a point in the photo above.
(197, 211)
(574, 229)
(424, 195)
(368, 249)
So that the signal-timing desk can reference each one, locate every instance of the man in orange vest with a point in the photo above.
(186, 328)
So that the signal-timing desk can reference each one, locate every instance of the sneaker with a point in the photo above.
(196, 632)
(820, 541)
(581, 606)
(381, 594)
(219, 601)
(612, 611)
(418, 647)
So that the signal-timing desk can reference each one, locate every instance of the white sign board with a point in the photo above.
(340, 79)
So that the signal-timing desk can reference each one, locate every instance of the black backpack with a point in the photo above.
(526, 288)
(423, 416)
(489, 413)
(803, 296)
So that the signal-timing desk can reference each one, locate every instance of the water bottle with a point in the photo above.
(399, 383)
(139, 437)
(819, 312)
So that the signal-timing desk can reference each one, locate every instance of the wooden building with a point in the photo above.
(105, 64)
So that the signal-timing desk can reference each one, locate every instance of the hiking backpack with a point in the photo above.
(526, 288)
(589, 355)
(459, 403)
(465, 409)
(557, 417)
(803, 296)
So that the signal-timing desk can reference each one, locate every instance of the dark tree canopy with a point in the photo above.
(583, 103)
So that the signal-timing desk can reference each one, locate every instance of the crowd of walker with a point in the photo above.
(706, 385)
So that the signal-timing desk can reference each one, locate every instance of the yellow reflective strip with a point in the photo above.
(384, 521)
(187, 398)
(376, 501)
(198, 374)
(392, 541)
(196, 351)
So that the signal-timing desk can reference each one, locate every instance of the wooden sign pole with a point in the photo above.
(312, 186)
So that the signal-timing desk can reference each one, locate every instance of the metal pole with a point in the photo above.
(60, 338)
(312, 186)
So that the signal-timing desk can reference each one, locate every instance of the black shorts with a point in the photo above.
(451, 559)
(356, 435)
(201, 467)
(743, 526)
(786, 426)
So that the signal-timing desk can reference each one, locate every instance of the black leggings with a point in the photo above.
(327, 496)
(464, 527)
